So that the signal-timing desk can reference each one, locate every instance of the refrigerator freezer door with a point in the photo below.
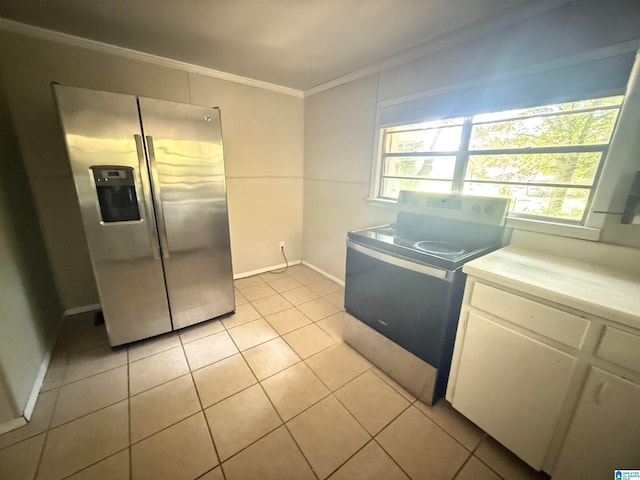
(100, 130)
(184, 148)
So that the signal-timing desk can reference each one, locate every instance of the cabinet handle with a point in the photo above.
(602, 392)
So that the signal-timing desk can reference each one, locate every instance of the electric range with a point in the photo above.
(405, 280)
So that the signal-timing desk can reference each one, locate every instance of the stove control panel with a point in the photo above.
(468, 208)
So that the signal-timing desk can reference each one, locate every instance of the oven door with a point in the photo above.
(413, 304)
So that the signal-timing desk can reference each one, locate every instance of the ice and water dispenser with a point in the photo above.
(116, 193)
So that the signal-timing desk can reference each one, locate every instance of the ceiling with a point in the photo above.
(293, 43)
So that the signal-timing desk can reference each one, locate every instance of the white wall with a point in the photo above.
(339, 126)
(263, 144)
(7, 410)
(29, 307)
(262, 133)
(340, 123)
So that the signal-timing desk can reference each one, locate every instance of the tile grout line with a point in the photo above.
(265, 394)
(47, 431)
(99, 372)
(68, 355)
(284, 424)
(473, 454)
(128, 447)
(111, 404)
(67, 422)
(390, 456)
(264, 317)
(34, 434)
(172, 379)
(164, 428)
(182, 344)
(394, 387)
(330, 394)
(95, 463)
(44, 389)
(373, 437)
(444, 430)
(92, 375)
(129, 413)
(259, 382)
(461, 467)
(204, 415)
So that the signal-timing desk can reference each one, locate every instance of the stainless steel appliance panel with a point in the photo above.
(103, 129)
(184, 148)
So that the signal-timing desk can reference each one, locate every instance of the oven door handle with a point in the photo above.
(446, 275)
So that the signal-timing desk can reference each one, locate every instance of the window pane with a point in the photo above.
(558, 107)
(423, 167)
(391, 186)
(562, 203)
(447, 122)
(586, 128)
(567, 168)
(445, 139)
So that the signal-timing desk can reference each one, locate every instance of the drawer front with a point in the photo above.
(621, 348)
(561, 326)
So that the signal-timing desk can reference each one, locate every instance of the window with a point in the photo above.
(547, 159)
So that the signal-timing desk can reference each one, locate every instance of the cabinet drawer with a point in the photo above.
(621, 348)
(561, 326)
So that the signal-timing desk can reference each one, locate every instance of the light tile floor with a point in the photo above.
(270, 392)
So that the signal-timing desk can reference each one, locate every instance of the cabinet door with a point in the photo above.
(512, 386)
(605, 432)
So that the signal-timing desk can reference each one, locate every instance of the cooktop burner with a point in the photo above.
(439, 230)
(439, 248)
(432, 241)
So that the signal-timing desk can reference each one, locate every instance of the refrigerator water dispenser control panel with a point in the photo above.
(116, 191)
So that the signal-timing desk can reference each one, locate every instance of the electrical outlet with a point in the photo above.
(281, 245)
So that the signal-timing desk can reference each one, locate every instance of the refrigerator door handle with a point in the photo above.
(144, 178)
(162, 226)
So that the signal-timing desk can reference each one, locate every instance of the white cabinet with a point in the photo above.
(547, 359)
(605, 432)
(511, 385)
(531, 373)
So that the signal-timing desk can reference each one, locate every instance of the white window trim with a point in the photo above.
(613, 162)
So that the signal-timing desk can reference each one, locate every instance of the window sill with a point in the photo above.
(539, 226)
(379, 202)
(563, 230)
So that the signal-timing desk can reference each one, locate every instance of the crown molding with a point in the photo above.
(463, 34)
(59, 37)
(447, 40)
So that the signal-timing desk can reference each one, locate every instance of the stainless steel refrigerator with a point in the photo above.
(149, 175)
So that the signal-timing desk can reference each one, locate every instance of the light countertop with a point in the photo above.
(598, 290)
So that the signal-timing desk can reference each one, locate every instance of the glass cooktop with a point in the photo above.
(433, 241)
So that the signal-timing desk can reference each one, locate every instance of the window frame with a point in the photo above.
(610, 165)
(464, 152)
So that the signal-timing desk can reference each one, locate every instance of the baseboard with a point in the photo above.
(322, 272)
(82, 309)
(42, 373)
(37, 385)
(12, 424)
(263, 270)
